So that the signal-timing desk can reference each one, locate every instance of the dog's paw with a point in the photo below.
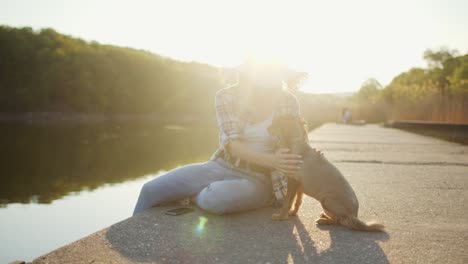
(292, 213)
(279, 217)
(324, 221)
(321, 221)
(323, 215)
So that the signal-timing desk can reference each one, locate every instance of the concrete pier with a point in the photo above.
(416, 185)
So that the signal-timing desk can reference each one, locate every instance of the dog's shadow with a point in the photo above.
(240, 238)
(343, 245)
(347, 246)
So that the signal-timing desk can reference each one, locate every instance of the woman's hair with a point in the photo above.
(267, 71)
(252, 67)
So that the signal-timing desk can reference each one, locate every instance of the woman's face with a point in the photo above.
(264, 81)
(262, 85)
(263, 93)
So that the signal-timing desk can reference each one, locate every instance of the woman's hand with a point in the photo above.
(285, 162)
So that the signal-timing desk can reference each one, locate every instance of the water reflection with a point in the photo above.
(44, 163)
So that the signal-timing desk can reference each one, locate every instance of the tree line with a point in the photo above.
(48, 71)
(438, 92)
(45, 71)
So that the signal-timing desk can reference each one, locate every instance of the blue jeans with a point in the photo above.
(218, 188)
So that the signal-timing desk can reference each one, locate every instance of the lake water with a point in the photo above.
(61, 183)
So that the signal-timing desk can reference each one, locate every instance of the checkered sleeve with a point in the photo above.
(280, 186)
(227, 119)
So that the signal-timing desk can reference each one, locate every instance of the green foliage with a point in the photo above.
(411, 86)
(48, 71)
(436, 59)
(369, 91)
(448, 77)
(458, 77)
(439, 93)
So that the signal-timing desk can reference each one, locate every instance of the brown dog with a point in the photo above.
(317, 178)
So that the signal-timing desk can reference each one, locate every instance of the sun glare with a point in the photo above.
(339, 43)
(201, 225)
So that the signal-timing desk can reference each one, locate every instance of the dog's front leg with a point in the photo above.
(283, 214)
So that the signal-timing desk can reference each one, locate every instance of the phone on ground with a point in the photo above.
(179, 211)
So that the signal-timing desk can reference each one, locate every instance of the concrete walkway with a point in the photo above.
(417, 186)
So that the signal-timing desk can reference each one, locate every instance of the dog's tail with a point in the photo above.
(358, 225)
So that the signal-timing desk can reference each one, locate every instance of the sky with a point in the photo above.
(339, 43)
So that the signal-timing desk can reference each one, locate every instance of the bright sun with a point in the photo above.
(339, 43)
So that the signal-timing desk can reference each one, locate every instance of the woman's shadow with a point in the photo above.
(241, 238)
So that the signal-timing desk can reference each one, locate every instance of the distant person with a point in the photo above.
(237, 176)
(346, 116)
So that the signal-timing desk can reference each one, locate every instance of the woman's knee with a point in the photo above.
(145, 194)
(231, 196)
(144, 201)
(151, 190)
(145, 189)
(208, 200)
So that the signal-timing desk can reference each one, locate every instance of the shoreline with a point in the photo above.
(50, 118)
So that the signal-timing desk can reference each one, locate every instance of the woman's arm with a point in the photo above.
(280, 160)
(228, 123)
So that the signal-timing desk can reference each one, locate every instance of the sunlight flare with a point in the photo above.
(201, 225)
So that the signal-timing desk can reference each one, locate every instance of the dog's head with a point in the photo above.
(288, 128)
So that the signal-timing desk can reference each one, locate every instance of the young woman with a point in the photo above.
(237, 176)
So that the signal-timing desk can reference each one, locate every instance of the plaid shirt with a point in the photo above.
(231, 119)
